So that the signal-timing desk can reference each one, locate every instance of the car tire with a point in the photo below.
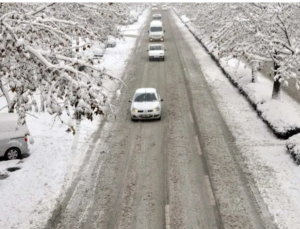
(159, 118)
(150, 59)
(133, 120)
(12, 153)
(163, 58)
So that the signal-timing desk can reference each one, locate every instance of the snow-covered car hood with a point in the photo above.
(156, 52)
(97, 51)
(145, 105)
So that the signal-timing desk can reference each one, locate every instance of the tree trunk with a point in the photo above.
(276, 85)
(6, 95)
(42, 105)
(254, 71)
(77, 115)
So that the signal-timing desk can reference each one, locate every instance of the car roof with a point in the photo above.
(154, 23)
(156, 15)
(145, 90)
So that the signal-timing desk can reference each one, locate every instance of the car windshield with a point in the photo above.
(156, 17)
(145, 97)
(156, 29)
(156, 47)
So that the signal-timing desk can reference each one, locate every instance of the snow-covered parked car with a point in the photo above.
(88, 49)
(156, 52)
(146, 104)
(111, 41)
(13, 137)
(293, 147)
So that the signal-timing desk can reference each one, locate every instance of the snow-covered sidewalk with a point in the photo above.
(264, 156)
(29, 195)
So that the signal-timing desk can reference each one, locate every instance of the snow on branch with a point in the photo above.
(41, 50)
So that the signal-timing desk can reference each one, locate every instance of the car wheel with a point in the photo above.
(12, 153)
(159, 118)
(150, 58)
(133, 120)
(163, 58)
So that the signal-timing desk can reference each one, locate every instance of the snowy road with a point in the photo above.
(181, 172)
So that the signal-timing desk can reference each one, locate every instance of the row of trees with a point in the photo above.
(256, 32)
(35, 46)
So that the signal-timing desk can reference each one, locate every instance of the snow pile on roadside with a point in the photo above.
(28, 196)
(184, 19)
(293, 147)
(281, 116)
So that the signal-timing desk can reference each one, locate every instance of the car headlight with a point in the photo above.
(134, 110)
(156, 109)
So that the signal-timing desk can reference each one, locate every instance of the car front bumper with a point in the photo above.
(157, 57)
(144, 116)
(156, 39)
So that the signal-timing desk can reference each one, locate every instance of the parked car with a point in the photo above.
(146, 104)
(13, 138)
(111, 41)
(88, 49)
(154, 8)
(156, 17)
(156, 31)
(156, 51)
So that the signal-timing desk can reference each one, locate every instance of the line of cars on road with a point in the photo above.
(146, 102)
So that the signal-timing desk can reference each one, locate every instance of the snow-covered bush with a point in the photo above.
(293, 147)
(36, 55)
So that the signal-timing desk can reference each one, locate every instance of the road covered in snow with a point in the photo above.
(209, 163)
(189, 170)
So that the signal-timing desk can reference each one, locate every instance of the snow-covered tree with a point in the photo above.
(256, 32)
(36, 54)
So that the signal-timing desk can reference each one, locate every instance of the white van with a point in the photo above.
(13, 138)
(156, 52)
(156, 31)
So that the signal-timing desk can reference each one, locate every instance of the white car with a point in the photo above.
(156, 52)
(154, 8)
(156, 17)
(164, 7)
(13, 138)
(87, 49)
(111, 41)
(146, 104)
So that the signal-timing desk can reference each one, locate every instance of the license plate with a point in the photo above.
(145, 116)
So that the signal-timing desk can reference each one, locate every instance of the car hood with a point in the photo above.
(145, 105)
(156, 33)
(156, 52)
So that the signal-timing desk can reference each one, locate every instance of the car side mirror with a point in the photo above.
(165, 49)
(148, 31)
(161, 100)
(164, 31)
(129, 101)
(147, 50)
